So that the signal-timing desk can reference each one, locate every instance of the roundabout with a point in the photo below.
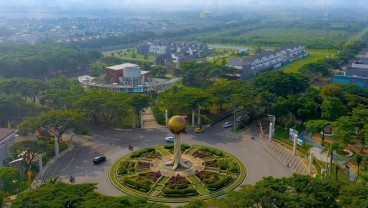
(211, 172)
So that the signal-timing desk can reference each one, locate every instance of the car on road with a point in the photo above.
(227, 124)
(99, 159)
(240, 119)
(198, 130)
(169, 139)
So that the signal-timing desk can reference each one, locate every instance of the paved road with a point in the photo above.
(114, 144)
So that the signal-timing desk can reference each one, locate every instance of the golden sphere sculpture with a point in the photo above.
(177, 124)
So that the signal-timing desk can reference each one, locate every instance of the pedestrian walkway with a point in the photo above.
(60, 164)
(285, 156)
(229, 133)
(149, 120)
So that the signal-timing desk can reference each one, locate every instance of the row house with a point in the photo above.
(167, 47)
(268, 59)
(356, 74)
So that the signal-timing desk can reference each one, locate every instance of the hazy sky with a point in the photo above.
(171, 3)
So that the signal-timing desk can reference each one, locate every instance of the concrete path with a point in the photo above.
(285, 156)
(149, 120)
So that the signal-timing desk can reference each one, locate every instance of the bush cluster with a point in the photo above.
(220, 183)
(188, 191)
(139, 153)
(207, 177)
(213, 151)
(140, 184)
(127, 166)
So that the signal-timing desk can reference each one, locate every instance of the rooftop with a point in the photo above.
(4, 132)
(122, 66)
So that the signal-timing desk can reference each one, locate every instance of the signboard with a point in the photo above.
(293, 132)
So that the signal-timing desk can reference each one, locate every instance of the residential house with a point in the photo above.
(268, 59)
(7, 139)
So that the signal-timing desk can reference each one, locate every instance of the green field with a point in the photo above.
(130, 54)
(315, 55)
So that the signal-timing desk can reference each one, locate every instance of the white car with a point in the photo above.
(240, 119)
(169, 139)
(227, 124)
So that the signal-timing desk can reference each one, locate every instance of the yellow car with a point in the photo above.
(198, 130)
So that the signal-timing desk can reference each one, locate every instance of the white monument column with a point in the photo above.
(294, 147)
(40, 165)
(270, 133)
(199, 115)
(310, 162)
(193, 118)
(141, 113)
(56, 147)
(166, 118)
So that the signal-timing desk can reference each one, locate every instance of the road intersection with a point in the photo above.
(114, 144)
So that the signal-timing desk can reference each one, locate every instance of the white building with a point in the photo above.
(7, 139)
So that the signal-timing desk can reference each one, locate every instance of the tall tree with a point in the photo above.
(333, 108)
(10, 179)
(317, 126)
(55, 122)
(28, 150)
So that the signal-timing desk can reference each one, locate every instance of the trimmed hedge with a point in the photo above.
(220, 183)
(138, 153)
(171, 146)
(212, 151)
(188, 191)
(145, 187)
(127, 166)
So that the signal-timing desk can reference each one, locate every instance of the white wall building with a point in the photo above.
(7, 139)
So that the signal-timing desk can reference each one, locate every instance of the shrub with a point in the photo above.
(138, 153)
(212, 150)
(140, 184)
(201, 154)
(126, 166)
(188, 191)
(220, 183)
(222, 164)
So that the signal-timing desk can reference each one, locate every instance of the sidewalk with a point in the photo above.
(317, 153)
(149, 120)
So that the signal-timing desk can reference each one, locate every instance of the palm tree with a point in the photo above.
(330, 152)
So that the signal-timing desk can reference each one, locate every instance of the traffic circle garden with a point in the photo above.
(210, 173)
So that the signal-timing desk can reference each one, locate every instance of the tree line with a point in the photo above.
(39, 61)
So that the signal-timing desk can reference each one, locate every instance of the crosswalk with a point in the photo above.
(285, 156)
(229, 133)
(59, 165)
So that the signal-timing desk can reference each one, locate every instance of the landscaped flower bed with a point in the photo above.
(178, 186)
(214, 181)
(201, 154)
(137, 174)
(146, 153)
(223, 164)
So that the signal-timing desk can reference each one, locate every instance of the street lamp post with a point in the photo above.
(273, 122)
(234, 118)
(294, 146)
(57, 140)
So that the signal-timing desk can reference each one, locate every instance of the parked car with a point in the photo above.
(169, 139)
(240, 119)
(227, 124)
(198, 130)
(99, 159)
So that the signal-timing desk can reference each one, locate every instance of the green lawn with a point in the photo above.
(315, 55)
(128, 54)
(281, 134)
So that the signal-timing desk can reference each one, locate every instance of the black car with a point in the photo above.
(99, 159)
